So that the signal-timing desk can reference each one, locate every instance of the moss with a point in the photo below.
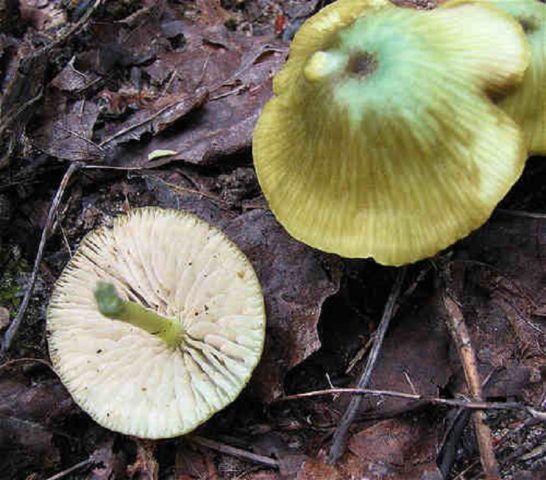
(11, 287)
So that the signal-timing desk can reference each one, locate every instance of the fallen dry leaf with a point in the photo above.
(398, 449)
(395, 449)
(28, 411)
(414, 358)
(108, 464)
(152, 119)
(189, 464)
(145, 466)
(66, 129)
(239, 84)
(72, 81)
(296, 281)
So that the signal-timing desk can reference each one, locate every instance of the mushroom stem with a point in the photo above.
(323, 65)
(111, 305)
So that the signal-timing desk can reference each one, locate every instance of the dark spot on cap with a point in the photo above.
(362, 64)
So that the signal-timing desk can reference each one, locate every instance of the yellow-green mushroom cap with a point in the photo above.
(172, 266)
(381, 140)
(527, 104)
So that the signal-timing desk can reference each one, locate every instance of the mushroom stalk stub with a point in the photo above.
(112, 306)
(382, 140)
(156, 323)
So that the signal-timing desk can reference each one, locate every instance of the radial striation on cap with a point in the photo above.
(382, 140)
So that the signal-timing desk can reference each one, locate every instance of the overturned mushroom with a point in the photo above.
(381, 140)
(156, 323)
(527, 104)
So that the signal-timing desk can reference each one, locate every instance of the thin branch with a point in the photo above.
(234, 452)
(445, 402)
(192, 101)
(17, 361)
(459, 332)
(510, 434)
(13, 329)
(521, 213)
(75, 28)
(73, 468)
(448, 449)
(340, 435)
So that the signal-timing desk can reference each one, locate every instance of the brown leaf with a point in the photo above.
(145, 466)
(350, 466)
(211, 11)
(22, 89)
(237, 72)
(414, 355)
(296, 281)
(42, 15)
(189, 464)
(27, 413)
(153, 119)
(108, 464)
(71, 80)
(66, 129)
(398, 449)
(314, 469)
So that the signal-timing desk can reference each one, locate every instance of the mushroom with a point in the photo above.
(527, 104)
(381, 140)
(156, 323)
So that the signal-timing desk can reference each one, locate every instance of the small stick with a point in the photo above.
(448, 449)
(13, 329)
(71, 469)
(446, 402)
(459, 332)
(234, 452)
(17, 361)
(521, 213)
(342, 431)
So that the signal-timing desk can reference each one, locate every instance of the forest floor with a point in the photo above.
(160, 98)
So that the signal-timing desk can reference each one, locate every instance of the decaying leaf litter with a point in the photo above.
(164, 96)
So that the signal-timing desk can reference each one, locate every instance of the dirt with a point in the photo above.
(163, 96)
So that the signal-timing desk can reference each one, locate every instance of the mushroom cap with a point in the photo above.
(381, 140)
(182, 268)
(527, 104)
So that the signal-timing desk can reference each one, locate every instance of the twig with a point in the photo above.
(459, 332)
(445, 402)
(463, 474)
(447, 455)
(453, 434)
(521, 213)
(340, 435)
(13, 329)
(16, 361)
(192, 102)
(359, 355)
(71, 469)
(73, 29)
(234, 452)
